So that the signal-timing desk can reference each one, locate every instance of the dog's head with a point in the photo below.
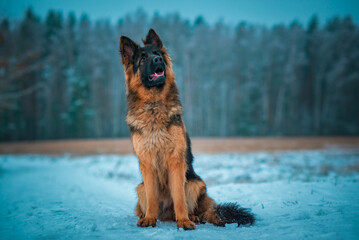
(150, 63)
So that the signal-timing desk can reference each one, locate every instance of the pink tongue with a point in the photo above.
(154, 76)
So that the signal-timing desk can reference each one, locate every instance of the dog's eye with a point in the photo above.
(143, 58)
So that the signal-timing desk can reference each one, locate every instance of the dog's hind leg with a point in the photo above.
(201, 208)
(205, 209)
(193, 190)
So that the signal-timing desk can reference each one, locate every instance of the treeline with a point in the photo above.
(61, 77)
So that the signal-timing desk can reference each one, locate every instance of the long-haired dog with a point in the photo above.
(171, 190)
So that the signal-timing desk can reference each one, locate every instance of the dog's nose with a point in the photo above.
(157, 59)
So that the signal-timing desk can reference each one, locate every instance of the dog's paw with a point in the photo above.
(219, 223)
(194, 219)
(146, 222)
(186, 224)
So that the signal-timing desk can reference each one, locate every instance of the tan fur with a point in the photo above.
(161, 149)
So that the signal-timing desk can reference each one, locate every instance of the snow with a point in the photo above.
(294, 195)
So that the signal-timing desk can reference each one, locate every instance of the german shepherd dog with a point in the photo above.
(171, 190)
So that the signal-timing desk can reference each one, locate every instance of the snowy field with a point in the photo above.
(294, 195)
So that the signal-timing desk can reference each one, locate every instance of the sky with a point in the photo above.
(267, 12)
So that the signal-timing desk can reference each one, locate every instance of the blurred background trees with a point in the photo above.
(61, 77)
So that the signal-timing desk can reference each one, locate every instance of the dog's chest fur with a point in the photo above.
(151, 125)
(155, 137)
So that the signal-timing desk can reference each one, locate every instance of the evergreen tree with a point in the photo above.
(62, 78)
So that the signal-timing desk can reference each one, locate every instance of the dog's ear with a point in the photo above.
(153, 39)
(127, 50)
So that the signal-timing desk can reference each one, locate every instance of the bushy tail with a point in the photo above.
(233, 213)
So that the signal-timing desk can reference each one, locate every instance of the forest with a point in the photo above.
(61, 77)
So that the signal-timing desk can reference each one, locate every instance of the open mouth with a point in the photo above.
(158, 73)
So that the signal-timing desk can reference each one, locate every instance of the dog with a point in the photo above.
(171, 190)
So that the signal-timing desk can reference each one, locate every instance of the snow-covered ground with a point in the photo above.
(295, 195)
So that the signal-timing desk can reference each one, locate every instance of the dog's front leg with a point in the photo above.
(177, 180)
(151, 189)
